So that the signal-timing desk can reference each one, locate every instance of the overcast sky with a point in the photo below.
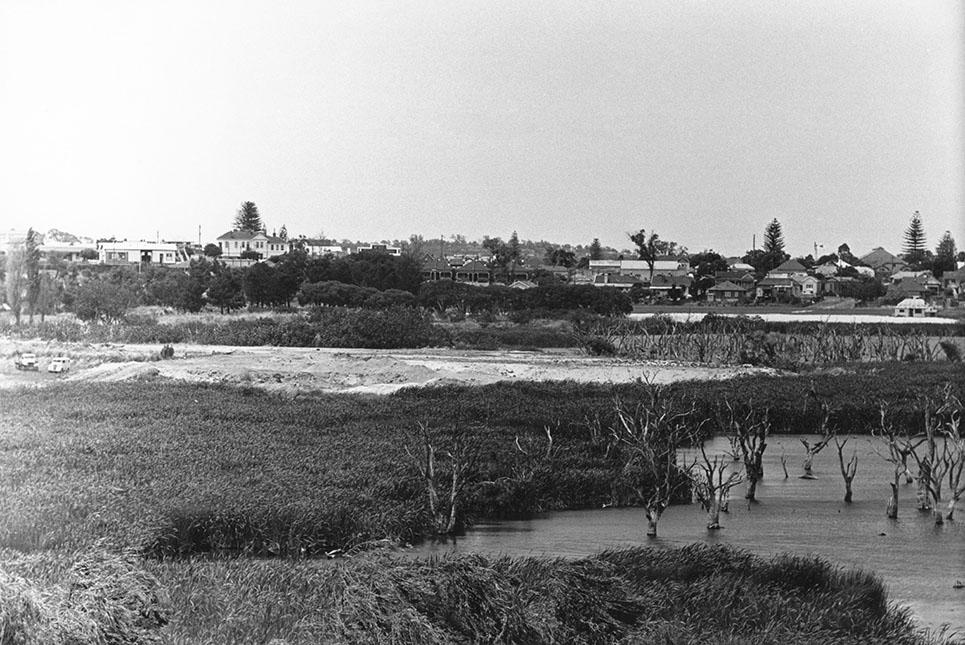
(561, 120)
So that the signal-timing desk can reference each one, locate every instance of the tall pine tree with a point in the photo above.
(773, 237)
(248, 218)
(915, 240)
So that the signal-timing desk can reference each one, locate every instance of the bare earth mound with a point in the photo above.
(295, 369)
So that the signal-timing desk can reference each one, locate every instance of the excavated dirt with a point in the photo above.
(293, 370)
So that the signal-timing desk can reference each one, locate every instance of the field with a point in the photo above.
(229, 495)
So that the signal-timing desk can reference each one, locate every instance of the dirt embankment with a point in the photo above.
(335, 370)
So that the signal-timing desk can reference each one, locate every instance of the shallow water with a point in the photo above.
(918, 561)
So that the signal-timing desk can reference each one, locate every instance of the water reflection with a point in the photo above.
(920, 562)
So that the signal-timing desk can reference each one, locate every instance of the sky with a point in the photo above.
(564, 121)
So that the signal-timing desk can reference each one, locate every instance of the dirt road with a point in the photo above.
(336, 370)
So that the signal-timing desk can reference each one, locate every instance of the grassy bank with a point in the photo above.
(695, 594)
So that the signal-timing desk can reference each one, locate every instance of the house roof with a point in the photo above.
(727, 285)
(523, 284)
(238, 235)
(775, 282)
(742, 276)
(474, 265)
(911, 302)
(791, 266)
(804, 278)
(957, 274)
(879, 257)
(432, 264)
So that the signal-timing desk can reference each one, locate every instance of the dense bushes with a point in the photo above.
(445, 295)
(394, 327)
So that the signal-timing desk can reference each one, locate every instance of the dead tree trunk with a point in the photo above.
(892, 510)
(849, 469)
(443, 504)
(646, 441)
(712, 484)
(811, 450)
(899, 447)
(751, 429)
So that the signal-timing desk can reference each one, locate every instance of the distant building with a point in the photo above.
(640, 268)
(789, 269)
(380, 248)
(914, 308)
(234, 243)
(318, 248)
(139, 252)
(883, 262)
(729, 292)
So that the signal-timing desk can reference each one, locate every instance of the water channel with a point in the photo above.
(919, 562)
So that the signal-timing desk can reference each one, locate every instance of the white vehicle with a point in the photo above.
(26, 362)
(59, 365)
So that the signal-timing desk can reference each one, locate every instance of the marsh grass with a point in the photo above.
(101, 597)
(696, 594)
(178, 469)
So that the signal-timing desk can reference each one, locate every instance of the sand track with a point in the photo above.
(293, 369)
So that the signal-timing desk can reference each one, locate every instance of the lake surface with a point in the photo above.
(919, 562)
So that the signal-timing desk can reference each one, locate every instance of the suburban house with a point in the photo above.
(729, 292)
(69, 251)
(665, 286)
(639, 269)
(380, 248)
(837, 285)
(234, 243)
(924, 278)
(744, 279)
(914, 308)
(474, 272)
(433, 269)
(789, 269)
(809, 287)
(318, 248)
(831, 268)
(883, 262)
(140, 252)
(953, 283)
(771, 288)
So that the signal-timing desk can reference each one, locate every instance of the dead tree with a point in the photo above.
(646, 439)
(811, 450)
(942, 415)
(849, 469)
(751, 429)
(445, 486)
(954, 454)
(899, 447)
(712, 484)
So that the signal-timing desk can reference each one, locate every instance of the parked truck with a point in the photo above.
(26, 362)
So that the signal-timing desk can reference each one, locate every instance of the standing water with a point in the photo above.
(919, 562)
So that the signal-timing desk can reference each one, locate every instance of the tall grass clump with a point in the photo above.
(103, 598)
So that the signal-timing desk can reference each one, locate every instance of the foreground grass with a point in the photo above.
(696, 594)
